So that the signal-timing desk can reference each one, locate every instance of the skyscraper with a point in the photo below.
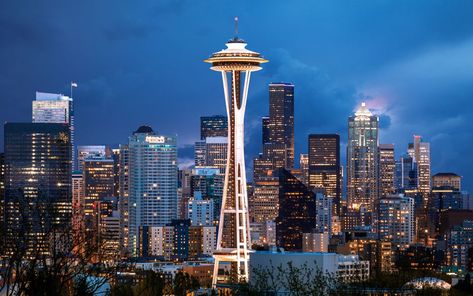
(362, 163)
(211, 152)
(152, 200)
(396, 222)
(422, 158)
(281, 119)
(213, 126)
(55, 108)
(78, 205)
(37, 185)
(297, 212)
(123, 193)
(387, 169)
(406, 173)
(98, 183)
(324, 167)
(233, 239)
(265, 129)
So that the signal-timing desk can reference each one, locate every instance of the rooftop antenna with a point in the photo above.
(236, 28)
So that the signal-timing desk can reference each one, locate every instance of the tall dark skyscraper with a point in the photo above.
(213, 126)
(297, 211)
(281, 119)
(324, 166)
(362, 163)
(265, 129)
(38, 192)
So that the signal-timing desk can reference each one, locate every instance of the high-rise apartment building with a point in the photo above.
(396, 222)
(123, 194)
(152, 169)
(200, 211)
(281, 120)
(213, 126)
(362, 163)
(324, 167)
(38, 193)
(55, 108)
(387, 169)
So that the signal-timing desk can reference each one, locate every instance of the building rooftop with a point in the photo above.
(445, 175)
(144, 129)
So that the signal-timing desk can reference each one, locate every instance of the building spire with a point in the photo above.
(236, 27)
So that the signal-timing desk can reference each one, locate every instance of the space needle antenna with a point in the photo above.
(236, 27)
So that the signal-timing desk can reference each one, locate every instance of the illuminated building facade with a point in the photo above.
(387, 169)
(37, 184)
(108, 228)
(123, 194)
(264, 203)
(233, 240)
(213, 126)
(422, 158)
(362, 163)
(78, 205)
(152, 180)
(211, 152)
(281, 120)
(98, 183)
(396, 222)
(207, 182)
(447, 179)
(90, 151)
(297, 212)
(200, 211)
(55, 108)
(324, 167)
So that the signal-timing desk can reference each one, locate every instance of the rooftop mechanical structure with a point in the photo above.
(233, 242)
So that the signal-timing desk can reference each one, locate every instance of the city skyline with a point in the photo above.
(330, 77)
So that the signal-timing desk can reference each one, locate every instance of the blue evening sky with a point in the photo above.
(141, 62)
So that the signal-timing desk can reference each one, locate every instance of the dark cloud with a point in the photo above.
(141, 63)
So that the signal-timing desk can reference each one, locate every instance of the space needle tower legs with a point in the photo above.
(233, 242)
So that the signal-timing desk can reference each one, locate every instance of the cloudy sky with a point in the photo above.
(141, 62)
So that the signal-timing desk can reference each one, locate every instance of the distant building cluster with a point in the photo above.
(381, 211)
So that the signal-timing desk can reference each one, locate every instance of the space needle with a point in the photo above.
(233, 241)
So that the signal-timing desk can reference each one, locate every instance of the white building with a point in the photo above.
(55, 108)
(152, 182)
(324, 213)
(200, 211)
(347, 268)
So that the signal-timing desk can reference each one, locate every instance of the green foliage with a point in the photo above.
(296, 281)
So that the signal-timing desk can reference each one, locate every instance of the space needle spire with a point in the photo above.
(233, 242)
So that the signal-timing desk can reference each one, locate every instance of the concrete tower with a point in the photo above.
(233, 241)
